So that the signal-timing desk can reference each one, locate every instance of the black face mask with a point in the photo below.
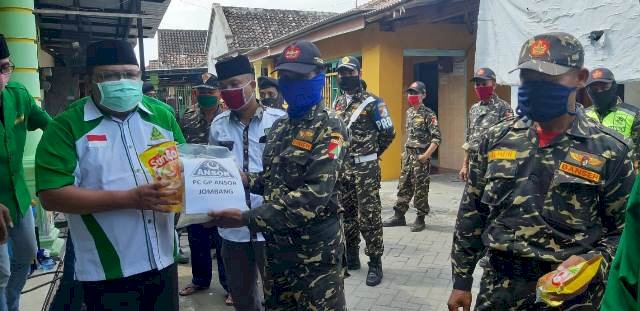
(273, 102)
(349, 83)
(604, 100)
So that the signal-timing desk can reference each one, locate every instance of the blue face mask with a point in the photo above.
(543, 101)
(121, 95)
(301, 95)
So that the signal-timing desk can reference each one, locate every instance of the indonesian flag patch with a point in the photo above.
(96, 140)
(335, 146)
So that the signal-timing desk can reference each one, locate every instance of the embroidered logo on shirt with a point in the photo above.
(156, 134)
(302, 144)
(96, 140)
(306, 135)
(503, 154)
(579, 172)
(19, 119)
(586, 160)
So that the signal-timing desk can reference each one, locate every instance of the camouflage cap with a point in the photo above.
(484, 74)
(552, 53)
(417, 86)
(600, 75)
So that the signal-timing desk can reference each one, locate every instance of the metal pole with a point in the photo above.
(141, 39)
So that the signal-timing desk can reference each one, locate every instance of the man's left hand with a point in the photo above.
(227, 218)
(424, 158)
(572, 261)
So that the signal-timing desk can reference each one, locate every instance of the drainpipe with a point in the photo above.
(18, 24)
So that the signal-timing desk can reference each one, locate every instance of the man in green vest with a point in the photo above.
(19, 113)
(609, 109)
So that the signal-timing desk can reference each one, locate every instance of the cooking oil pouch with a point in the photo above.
(163, 163)
(566, 281)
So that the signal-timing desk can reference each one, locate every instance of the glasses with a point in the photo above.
(104, 76)
(7, 68)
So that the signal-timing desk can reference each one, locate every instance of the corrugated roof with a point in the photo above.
(251, 27)
(182, 48)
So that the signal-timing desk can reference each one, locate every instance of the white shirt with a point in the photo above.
(227, 131)
(85, 148)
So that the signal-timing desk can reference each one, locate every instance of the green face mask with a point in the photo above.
(207, 101)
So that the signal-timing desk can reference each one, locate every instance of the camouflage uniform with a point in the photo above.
(300, 217)
(371, 134)
(533, 207)
(482, 116)
(195, 127)
(423, 130)
(621, 125)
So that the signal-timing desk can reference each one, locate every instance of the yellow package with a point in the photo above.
(566, 282)
(163, 162)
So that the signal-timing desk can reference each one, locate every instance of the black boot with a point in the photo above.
(374, 276)
(396, 220)
(353, 258)
(418, 225)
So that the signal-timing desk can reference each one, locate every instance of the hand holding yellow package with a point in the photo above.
(566, 281)
(163, 162)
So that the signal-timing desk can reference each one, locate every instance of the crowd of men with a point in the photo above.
(546, 188)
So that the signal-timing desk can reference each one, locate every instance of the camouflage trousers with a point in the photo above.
(499, 292)
(360, 198)
(414, 183)
(306, 275)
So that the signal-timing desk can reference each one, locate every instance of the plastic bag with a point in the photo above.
(163, 162)
(212, 182)
(567, 281)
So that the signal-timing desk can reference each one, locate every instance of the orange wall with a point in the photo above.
(386, 73)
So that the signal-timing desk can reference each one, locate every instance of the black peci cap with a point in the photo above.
(233, 66)
(4, 48)
(110, 52)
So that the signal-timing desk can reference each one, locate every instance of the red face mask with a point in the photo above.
(484, 92)
(234, 98)
(414, 100)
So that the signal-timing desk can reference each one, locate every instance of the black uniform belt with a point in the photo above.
(510, 266)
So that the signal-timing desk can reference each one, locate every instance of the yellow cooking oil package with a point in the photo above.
(566, 281)
(163, 162)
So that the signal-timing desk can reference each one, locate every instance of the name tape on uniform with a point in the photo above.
(579, 172)
(503, 154)
(302, 144)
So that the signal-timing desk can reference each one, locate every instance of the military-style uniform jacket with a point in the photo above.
(545, 203)
(301, 162)
(482, 116)
(373, 131)
(194, 127)
(624, 119)
(422, 127)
